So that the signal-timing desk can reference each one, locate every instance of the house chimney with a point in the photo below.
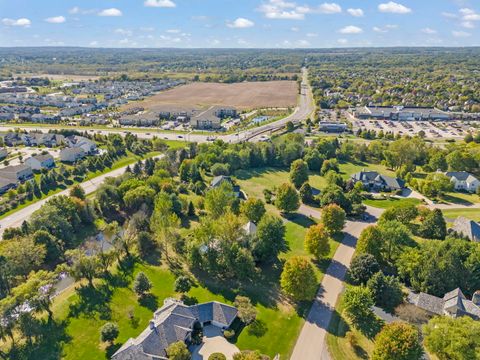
(476, 298)
(152, 325)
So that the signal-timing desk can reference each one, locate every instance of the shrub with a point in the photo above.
(109, 332)
(229, 334)
(217, 356)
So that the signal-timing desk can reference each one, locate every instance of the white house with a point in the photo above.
(88, 146)
(72, 154)
(16, 172)
(463, 181)
(40, 162)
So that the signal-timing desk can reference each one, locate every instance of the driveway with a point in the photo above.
(213, 341)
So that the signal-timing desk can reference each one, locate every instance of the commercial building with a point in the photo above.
(400, 113)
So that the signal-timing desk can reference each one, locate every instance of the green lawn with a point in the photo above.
(276, 330)
(461, 198)
(392, 202)
(473, 214)
(338, 345)
(124, 161)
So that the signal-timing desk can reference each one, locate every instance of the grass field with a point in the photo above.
(338, 345)
(245, 95)
(473, 214)
(392, 202)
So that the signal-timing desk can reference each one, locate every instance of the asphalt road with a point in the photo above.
(311, 343)
(17, 218)
(303, 111)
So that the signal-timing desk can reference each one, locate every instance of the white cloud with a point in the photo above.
(283, 10)
(124, 32)
(303, 43)
(110, 12)
(460, 34)
(173, 31)
(384, 29)
(429, 31)
(159, 3)
(289, 10)
(329, 8)
(24, 22)
(355, 12)
(147, 29)
(78, 11)
(467, 24)
(56, 19)
(351, 30)
(311, 35)
(469, 14)
(342, 41)
(240, 23)
(295, 29)
(449, 15)
(394, 8)
(94, 43)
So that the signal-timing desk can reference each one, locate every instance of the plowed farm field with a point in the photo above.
(243, 96)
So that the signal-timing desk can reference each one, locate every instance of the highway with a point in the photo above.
(302, 112)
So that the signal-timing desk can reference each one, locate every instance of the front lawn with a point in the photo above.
(338, 341)
(392, 202)
(473, 214)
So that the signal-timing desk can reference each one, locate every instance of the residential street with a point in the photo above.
(17, 218)
(311, 343)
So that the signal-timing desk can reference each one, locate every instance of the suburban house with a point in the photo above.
(453, 304)
(219, 180)
(463, 181)
(72, 154)
(40, 162)
(3, 153)
(75, 141)
(174, 322)
(466, 228)
(372, 180)
(6, 184)
(11, 139)
(16, 172)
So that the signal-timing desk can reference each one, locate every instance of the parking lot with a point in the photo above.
(432, 130)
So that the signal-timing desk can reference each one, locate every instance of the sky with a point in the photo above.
(239, 23)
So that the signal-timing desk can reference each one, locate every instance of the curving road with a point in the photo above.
(311, 343)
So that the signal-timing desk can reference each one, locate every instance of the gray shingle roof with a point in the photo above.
(467, 228)
(173, 322)
(461, 176)
(453, 303)
(374, 176)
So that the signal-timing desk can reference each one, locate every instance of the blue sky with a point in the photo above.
(239, 23)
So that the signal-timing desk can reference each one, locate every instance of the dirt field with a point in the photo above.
(243, 96)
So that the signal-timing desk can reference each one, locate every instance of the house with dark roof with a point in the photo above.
(174, 322)
(453, 304)
(463, 181)
(372, 180)
(466, 228)
(219, 180)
